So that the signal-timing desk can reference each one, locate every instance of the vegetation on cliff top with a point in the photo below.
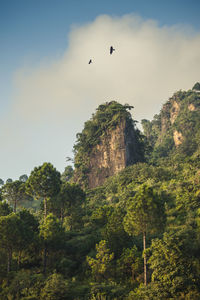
(107, 117)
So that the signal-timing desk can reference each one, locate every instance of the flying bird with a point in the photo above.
(111, 49)
(90, 61)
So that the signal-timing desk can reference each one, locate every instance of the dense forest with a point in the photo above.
(136, 236)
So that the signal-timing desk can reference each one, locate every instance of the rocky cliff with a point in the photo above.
(108, 143)
(177, 125)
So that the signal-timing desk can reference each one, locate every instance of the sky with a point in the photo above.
(48, 89)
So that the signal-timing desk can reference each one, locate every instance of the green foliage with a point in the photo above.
(55, 288)
(173, 262)
(67, 174)
(9, 180)
(14, 192)
(10, 235)
(196, 86)
(105, 291)
(23, 178)
(68, 205)
(114, 233)
(29, 227)
(5, 209)
(1, 182)
(130, 266)
(101, 215)
(145, 212)
(151, 130)
(101, 264)
(23, 285)
(43, 182)
(51, 232)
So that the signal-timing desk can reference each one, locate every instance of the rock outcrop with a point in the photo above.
(191, 107)
(174, 111)
(114, 152)
(178, 138)
(176, 128)
(117, 146)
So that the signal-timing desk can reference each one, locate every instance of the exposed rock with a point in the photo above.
(191, 107)
(178, 123)
(111, 155)
(174, 111)
(178, 138)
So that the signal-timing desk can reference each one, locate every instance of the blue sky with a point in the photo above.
(36, 36)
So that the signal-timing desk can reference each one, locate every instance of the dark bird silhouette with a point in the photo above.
(90, 61)
(111, 49)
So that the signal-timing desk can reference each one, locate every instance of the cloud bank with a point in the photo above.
(52, 100)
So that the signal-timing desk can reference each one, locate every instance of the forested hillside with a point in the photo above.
(135, 236)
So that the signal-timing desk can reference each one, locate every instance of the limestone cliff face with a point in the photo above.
(176, 128)
(169, 113)
(174, 111)
(114, 152)
(178, 138)
(192, 107)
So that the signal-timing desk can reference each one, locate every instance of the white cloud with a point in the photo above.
(149, 64)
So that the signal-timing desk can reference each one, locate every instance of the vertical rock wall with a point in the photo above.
(114, 152)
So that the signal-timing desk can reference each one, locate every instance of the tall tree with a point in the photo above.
(55, 288)
(101, 264)
(28, 234)
(10, 228)
(9, 180)
(174, 262)
(145, 214)
(52, 235)
(13, 192)
(5, 209)
(23, 178)
(68, 204)
(44, 183)
(67, 174)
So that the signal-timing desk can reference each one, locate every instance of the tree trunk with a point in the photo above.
(9, 260)
(133, 273)
(145, 259)
(44, 258)
(45, 246)
(15, 206)
(19, 259)
(61, 214)
(45, 207)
